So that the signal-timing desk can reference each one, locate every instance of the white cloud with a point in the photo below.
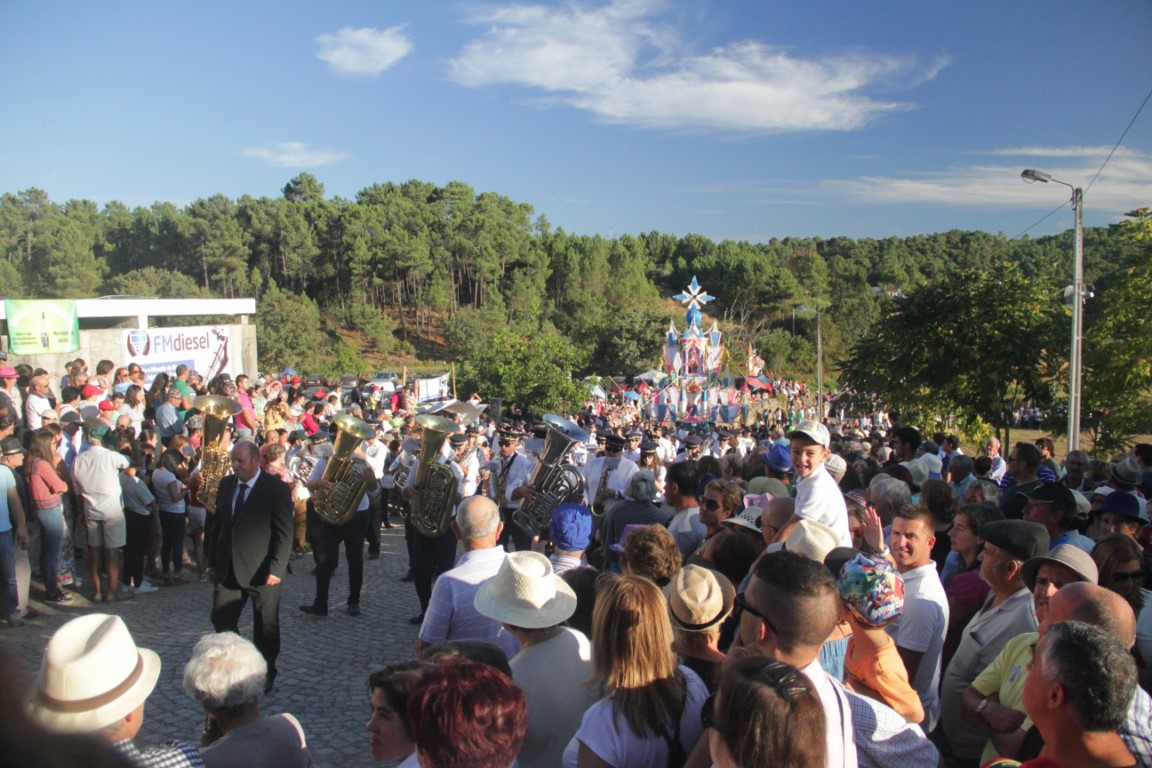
(1125, 183)
(293, 154)
(363, 51)
(619, 63)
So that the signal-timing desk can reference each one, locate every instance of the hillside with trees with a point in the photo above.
(953, 321)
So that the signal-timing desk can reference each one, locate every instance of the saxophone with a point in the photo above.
(554, 481)
(602, 493)
(216, 455)
(434, 489)
(345, 471)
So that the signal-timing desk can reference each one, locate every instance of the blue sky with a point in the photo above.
(732, 119)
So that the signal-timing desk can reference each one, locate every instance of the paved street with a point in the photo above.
(324, 662)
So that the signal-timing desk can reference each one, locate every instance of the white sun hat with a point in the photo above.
(92, 674)
(526, 593)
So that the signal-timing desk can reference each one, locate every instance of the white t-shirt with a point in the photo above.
(615, 743)
(818, 498)
(552, 675)
(161, 480)
(97, 475)
(921, 628)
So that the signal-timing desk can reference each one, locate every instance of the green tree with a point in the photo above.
(289, 330)
(969, 346)
(1117, 395)
(534, 373)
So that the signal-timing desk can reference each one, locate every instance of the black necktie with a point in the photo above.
(243, 489)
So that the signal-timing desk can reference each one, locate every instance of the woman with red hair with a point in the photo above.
(467, 715)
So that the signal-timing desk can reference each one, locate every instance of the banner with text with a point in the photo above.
(42, 326)
(206, 349)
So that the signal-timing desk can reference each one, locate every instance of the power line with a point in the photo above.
(1098, 172)
(1119, 141)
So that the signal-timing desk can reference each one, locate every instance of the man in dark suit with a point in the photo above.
(252, 544)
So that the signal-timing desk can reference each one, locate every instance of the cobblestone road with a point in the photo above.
(324, 662)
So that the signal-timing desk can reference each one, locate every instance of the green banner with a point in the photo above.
(42, 326)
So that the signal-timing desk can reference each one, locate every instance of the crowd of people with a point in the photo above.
(602, 590)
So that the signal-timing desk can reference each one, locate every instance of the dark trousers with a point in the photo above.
(375, 507)
(327, 548)
(172, 527)
(430, 558)
(228, 603)
(139, 528)
(513, 533)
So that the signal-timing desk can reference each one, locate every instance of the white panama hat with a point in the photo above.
(526, 593)
(92, 674)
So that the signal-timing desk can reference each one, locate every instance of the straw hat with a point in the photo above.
(699, 598)
(92, 674)
(526, 593)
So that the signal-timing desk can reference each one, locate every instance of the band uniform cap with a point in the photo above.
(1124, 504)
(1056, 494)
(526, 593)
(571, 527)
(693, 439)
(614, 440)
(648, 447)
(814, 431)
(458, 438)
(749, 517)
(779, 459)
(871, 589)
(1126, 471)
(1019, 538)
(91, 675)
(699, 598)
(11, 446)
(1065, 554)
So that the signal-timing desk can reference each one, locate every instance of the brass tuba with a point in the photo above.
(345, 471)
(555, 482)
(434, 489)
(216, 445)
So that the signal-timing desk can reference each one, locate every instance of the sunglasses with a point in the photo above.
(506, 443)
(743, 604)
(1130, 576)
(710, 504)
(613, 449)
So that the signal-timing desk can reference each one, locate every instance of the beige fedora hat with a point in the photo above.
(699, 598)
(526, 593)
(92, 674)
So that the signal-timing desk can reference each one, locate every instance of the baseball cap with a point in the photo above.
(814, 431)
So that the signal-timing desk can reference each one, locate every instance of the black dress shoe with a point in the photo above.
(373, 555)
(269, 681)
(314, 610)
(408, 577)
(419, 619)
(353, 609)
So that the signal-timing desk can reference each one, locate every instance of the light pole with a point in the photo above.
(1074, 361)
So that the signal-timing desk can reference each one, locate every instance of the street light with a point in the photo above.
(1074, 362)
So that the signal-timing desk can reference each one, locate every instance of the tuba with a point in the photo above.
(215, 448)
(555, 482)
(345, 471)
(434, 489)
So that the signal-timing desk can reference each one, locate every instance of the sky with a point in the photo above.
(733, 119)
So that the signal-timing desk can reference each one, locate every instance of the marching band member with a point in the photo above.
(508, 485)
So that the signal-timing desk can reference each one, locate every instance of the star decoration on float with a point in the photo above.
(693, 298)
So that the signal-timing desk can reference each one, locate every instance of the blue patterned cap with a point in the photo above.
(871, 589)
